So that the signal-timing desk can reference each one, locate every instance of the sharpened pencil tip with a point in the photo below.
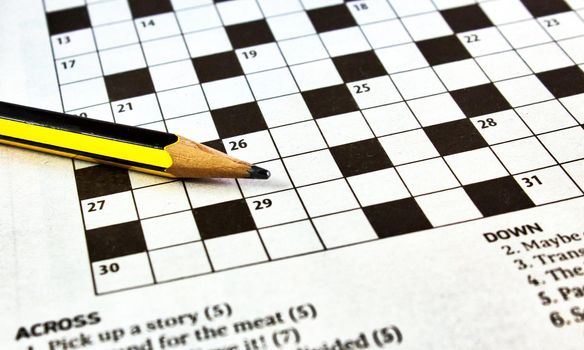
(258, 173)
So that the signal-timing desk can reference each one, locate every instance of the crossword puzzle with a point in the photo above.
(376, 118)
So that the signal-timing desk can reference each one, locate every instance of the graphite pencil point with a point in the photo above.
(258, 173)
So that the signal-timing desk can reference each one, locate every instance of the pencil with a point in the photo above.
(119, 145)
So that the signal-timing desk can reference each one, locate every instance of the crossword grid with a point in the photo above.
(376, 118)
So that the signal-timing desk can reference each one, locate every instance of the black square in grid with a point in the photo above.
(223, 219)
(360, 157)
(249, 34)
(101, 180)
(329, 101)
(463, 19)
(480, 100)
(539, 8)
(443, 50)
(238, 120)
(564, 81)
(143, 8)
(115, 241)
(331, 18)
(217, 66)
(129, 84)
(396, 218)
(455, 137)
(68, 20)
(359, 66)
(216, 144)
(498, 196)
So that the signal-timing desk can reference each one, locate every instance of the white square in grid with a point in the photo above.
(523, 155)
(73, 43)
(447, 4)
(461, 74)
(212, 191)
(161, 199)
(344, 41)
(137, 110)
(328, 197)
(547, 185)
(409, 7)
(260, 58)
(408, 147)
(291, 25)
(344, 128)
(298, 138)
(427, 176)
(575, 105)
(168, 230)
(378, 187)
(156, 126)
(180, 261)
(448, 207)
(290, 239)
(368, 11)
(158, 26)
(426, 26)
(140, 179)
(304, 49)
(165, 50)
(344, 228)
(386, 33)
(505, 11)
(436, 109)
(108, 12)
(235, 250)
(465, 164)
(545, 57)
(284, 110)
(418, 83)
(401, 58)
(390, 119)
(115, 35)
(198, 127)
(78, 68)
(182, 101)
(312, 167)
(508, 126)
(108, 210)
(99, 112)
(576, 172)
(484, 41)
(185, 4)
(316, 75)
(503, 65)
(134, 271)
(274, 8)
(525, 33)
(227, 92)
(563, 25)
(260, 147)
(272, 83)
(312, 4)
(198, 18)
(278, 180)
(173, 75)
(122, 59)
(84, 93)
(207, 42)
(546, 116)
(565, 145)
(574, 48)
(233, 12)
(374, 92)
(276, 208)
(55, 5)
(523, 91)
